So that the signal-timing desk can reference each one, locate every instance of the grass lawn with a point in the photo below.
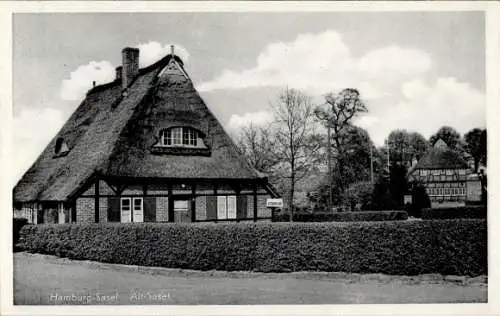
(40, 279)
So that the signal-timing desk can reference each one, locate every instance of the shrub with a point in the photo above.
(344, 216)
(454, 212)
(17, 224)
(405, 248)
(420, 201)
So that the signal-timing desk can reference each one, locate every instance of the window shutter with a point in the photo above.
(113, 209)
(150, 209)
(211, 207)
(241, 207)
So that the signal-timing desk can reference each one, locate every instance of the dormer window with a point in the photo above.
(179, 136)
(181, 140)
(61, 148)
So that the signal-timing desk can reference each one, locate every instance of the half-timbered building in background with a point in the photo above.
(143, 148)
(446, 177)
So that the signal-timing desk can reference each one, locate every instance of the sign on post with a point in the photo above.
(274, 203)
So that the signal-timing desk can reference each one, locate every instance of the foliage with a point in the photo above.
(457, 247)
(364, 216)
(398, 184)
(341, 109)
(17, 224)
(420, 200)
(449, 135)
(476, 146)
(404, 147)
(455, 212)
(358, 196)
(389, 189)
(356, 169)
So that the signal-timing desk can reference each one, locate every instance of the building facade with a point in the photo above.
(445, 176)
(143, 148)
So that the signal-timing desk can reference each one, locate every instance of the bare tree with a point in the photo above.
(256, 144)
(340, 110)
(295, 143)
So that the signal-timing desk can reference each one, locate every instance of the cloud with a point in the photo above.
(151, 52)
(320, 63)
(80, 80)
(399, 84)
(29, 139)
(425, 107)
(236, 122)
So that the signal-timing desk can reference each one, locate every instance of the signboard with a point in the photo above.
(274, 203)
(407, 199)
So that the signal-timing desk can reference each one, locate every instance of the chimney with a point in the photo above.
(93, 84)
(118, 71)
(130, 65)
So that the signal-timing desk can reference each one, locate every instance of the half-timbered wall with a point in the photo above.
(443, 184)
(106, 197)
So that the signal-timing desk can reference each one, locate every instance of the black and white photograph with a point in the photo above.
(260, 157)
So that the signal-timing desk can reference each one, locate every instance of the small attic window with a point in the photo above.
(181, 140)
(179, 136)
(61, 148)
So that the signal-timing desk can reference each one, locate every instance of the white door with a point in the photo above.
(126, 210)
(138, 210)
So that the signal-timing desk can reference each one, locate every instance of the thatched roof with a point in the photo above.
(112, 134)
(441, 157)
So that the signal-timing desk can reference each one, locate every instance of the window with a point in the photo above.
(131, 210)
(179, 136)
(61, 147)
(226, 207)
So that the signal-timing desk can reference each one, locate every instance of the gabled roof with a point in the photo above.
(440, 156)
(112, 134)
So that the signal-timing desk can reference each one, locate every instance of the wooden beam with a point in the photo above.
(96, 204)
(238, 191)
(254, 187)
(193, 202)
(170, 209)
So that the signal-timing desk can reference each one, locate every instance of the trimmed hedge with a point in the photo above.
(455, 212)
(456, 247)
(17, 224)
(344, 216)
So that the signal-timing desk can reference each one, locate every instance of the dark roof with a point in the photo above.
(440, 156)
(112, 135)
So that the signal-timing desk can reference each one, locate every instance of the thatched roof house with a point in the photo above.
(443, 172)
(145, 142)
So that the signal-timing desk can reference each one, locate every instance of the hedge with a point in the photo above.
(344, 216)
(17, 224)
(456, 247)
(455, 212)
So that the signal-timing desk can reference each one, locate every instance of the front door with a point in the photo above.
(181, 211)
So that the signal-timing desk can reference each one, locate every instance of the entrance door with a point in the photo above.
(181, 211)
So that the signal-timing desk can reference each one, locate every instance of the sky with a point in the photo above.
(415, 70)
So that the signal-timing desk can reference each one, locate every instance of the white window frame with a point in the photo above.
(129, 219)
(179, 136)
(227, 207)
